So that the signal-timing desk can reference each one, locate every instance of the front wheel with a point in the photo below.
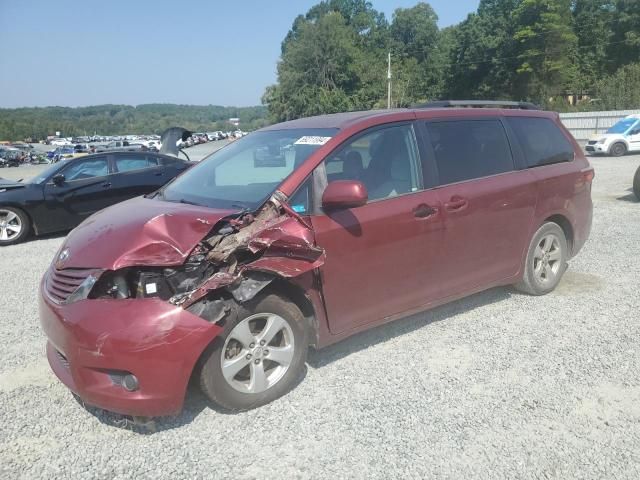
(259, 356)
(636, 183)
(546, 260)
(14, 225)
(618, 149)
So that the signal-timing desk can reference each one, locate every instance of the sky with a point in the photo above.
(90, 52)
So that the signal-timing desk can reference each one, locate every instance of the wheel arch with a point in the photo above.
(296, 294)
(623, 141)
(566, 226)
(290, 290)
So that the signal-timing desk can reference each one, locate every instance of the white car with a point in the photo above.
(60, 142)
(623, 137)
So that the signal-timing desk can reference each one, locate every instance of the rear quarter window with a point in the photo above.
(542, 141)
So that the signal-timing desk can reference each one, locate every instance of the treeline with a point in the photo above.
(551, 52)
(37, 123)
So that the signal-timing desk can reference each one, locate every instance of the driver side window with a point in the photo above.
(96, 167)
(386, 161)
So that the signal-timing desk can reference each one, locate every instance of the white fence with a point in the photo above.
(583, 125)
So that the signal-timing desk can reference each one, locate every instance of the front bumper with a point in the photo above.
(596, 148)
(159, 343)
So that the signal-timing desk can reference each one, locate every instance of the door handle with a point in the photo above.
(424, 211)
(158, 174)
(106, 185)
(456, 204)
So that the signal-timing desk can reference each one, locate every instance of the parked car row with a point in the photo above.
(10, 156)
(69, 191)
(300, 234)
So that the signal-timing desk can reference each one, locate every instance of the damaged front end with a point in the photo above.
(241, 255)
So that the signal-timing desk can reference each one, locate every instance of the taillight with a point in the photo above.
(588, 175)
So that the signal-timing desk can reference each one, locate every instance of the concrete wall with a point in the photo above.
(583, 125)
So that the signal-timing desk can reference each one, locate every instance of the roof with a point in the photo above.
(341, 121)
(333, 120)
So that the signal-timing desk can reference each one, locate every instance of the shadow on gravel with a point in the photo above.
(383, 333)
(630, 197)
(196, 402)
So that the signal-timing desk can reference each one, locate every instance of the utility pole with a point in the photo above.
(389, 83)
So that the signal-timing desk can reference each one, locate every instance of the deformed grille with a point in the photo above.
(60, 284)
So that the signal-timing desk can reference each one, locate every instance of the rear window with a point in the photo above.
(542, 141)
(469, 149)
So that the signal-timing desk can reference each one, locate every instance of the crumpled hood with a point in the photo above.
(139, 232)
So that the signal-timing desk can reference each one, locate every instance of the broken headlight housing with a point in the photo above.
(163, 283)
(84, 289)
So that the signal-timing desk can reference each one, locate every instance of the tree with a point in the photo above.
(621, 90)
(414, 36)
(316, 73)
(546, 46)
(482, 55)
(625, 42)
(593, 27)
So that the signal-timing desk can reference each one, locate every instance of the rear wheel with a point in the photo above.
(636, 183)
(259, 356)
(546, 260)
(618, 149)
(14, 225)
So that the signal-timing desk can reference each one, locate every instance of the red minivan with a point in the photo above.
(304, 233)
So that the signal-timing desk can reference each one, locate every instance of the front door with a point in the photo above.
(381, 258)
(634, 137)
(85, 190)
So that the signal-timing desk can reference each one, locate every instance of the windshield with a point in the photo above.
(246, 172)
(622, 126)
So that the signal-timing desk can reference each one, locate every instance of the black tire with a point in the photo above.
(219, 390)
(618, 149)
(636, 183)
(532, 282)
(24, 222)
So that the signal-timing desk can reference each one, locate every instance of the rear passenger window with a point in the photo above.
(542, 141)
(468, 149)
(129, 164)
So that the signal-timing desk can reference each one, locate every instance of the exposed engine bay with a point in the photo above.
(242, 254)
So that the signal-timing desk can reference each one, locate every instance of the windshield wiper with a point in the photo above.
(187, 202)
(153, 194)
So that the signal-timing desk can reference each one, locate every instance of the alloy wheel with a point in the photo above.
(547, 259)
(10, 225)
(257, 353)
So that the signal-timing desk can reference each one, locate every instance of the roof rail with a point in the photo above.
(479, 104)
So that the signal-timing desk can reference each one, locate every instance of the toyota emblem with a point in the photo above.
(64, 255)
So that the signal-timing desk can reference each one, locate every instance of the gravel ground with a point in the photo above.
(499, 385)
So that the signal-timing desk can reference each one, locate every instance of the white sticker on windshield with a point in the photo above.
(312, 140)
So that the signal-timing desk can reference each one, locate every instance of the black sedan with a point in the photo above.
(66, 193)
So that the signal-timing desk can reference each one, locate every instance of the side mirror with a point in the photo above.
(342, 194)
(58, 179)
